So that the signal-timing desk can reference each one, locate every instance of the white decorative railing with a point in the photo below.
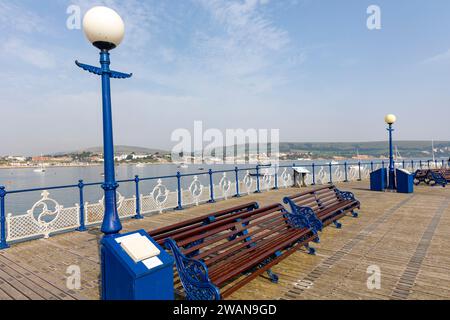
(43, 219)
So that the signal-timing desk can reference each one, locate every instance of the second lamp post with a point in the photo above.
(390, 120)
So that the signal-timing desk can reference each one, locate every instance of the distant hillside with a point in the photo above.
(118, 150)
(407, 149)
(375, 149)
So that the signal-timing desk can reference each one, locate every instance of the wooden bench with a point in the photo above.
(323, 206)
(216, 259)
(432, 177)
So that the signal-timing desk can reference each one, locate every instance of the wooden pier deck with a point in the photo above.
(406, 236)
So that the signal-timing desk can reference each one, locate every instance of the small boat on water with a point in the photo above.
(140, 165)
(183, 166)
(333, 163)
(41, 169)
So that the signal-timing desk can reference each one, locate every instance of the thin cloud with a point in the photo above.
(18, 18)
(442, 57)
(36, 57)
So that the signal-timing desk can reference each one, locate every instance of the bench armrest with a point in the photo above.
(193, 275)
(438, 178)
(347, 195)
(303, 217)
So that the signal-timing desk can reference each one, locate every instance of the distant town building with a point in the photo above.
(40, 159)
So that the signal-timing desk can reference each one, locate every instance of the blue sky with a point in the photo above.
(310, 68)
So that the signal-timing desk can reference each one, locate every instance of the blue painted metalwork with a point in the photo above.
(314, 174)
(303, 217)
(211, 186)
(111, 222)
(346, 195)
(346, 172)
(193, 275)
(437, 178)
(429, 177)
(3, 244)
(337, 224)
(82, 226)
(126, 279)
(359, 169)
(273, 277)
(237, 182)
(391, 185)
(331, 173)
(210, 173)
(276, 178)
(179, 192)
(405, 181)
(258, 190)
(371, 166)
(138, 215)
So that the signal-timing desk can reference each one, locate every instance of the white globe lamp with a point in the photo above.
(390, 119)
(103, 27)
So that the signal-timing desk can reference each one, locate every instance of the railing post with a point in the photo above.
(82, 227)
(3, 244)
(428, 163)
(211, 186)
(276, 177)
(435, 162)
(258, 190)
(403, 164)
(180, 195)
(412, 165)
(331, 173)
(371, 166)
(314, 174)
(359, 168)
(382, 164)
(138, 215)
(346, 173)
(420, 164)
(236, 170)
(443, 163)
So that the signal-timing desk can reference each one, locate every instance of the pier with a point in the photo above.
(405, 236)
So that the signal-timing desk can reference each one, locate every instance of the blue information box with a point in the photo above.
(125, 279)
(405, 181)
(378, 180)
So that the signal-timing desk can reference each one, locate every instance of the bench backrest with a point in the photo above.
(318, 199)
(216, 241)
(161, 234)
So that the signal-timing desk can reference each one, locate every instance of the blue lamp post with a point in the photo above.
(390, 120)
(105, 29)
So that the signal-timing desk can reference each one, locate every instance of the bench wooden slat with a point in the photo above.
(161, 234)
